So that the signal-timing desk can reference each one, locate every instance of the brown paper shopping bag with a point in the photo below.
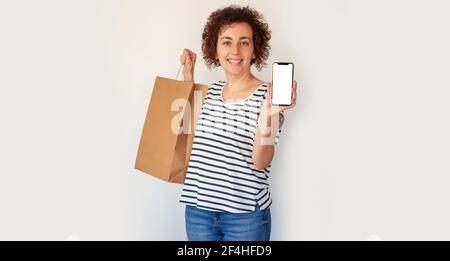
(169, 129)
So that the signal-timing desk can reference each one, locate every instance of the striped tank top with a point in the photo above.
(221, 175)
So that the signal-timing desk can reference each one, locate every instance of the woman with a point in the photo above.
(226, 189)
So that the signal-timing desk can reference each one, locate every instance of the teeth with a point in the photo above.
(234, 61)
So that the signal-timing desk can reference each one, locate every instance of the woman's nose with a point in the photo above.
(235, 49)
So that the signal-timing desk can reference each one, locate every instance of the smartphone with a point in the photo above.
(282, 80)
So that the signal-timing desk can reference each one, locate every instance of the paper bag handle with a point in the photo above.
(176, 77)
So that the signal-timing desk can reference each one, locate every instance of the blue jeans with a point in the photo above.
(205, 225)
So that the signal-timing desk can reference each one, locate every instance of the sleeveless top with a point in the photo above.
(221, 175)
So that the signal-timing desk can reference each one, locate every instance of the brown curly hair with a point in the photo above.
(235, 14)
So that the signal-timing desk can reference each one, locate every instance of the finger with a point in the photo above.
(294, 102)
(294, 90)
(188, 59)
(192, 56)
(294, 96)
(288, 106)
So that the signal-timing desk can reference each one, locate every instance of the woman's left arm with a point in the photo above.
(270, 121)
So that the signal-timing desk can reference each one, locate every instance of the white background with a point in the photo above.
(363, 156)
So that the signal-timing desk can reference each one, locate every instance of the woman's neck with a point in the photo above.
(241, 82)
(239, 87)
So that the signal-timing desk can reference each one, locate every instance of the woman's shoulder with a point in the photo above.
(220, 84)
(262, 84)
(215, 87)
(217, 83)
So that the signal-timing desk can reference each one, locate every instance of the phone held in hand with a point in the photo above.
(282, 81)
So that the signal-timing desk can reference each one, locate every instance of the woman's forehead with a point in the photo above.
(236, 30)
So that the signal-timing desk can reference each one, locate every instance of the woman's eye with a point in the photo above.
(229, 43)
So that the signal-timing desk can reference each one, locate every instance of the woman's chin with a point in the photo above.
(235, 70)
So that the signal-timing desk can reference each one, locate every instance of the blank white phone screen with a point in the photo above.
(282, 83)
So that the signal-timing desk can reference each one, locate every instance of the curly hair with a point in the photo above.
(235, 14)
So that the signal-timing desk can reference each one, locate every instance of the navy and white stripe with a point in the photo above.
(221, 175)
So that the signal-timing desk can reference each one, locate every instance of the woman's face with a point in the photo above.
(235, 48)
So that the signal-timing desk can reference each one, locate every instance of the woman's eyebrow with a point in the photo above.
(229, 38)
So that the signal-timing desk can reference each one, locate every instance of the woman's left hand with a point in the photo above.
(276, 109)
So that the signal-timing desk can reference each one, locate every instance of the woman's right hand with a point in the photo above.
(187, 58)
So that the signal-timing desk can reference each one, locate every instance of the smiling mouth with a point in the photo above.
(235, 61)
